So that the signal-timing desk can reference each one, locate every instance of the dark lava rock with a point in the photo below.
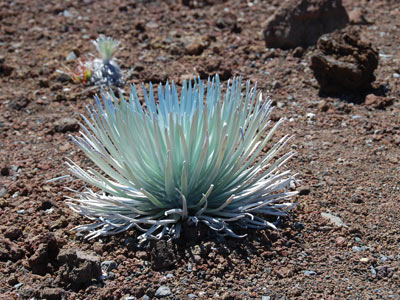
(305, 190)
(13, 233)
(162, 255)
(5, 69)
(298, 52)
(215, 66)
(78, 268)
(19, 102)
(65, 125)
(302, 22)
(343, 62)
(45, 249)
(9, 251)
(109, 265)
(62, 77)
(4, 171)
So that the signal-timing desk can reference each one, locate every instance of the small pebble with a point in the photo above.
(340, 241)
(333, 219)
(71, 56)
(108, 265)
(67, 14)
(5, 171)
(3, 192)
(163, 291)
(18, 285)
(309, 273)
(298, 226)
(364, 259)
(310, 116)
(373, 270)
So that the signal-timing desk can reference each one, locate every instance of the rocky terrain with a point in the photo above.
(342, 240)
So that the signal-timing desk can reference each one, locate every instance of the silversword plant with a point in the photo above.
(105, 69)
(201, 157)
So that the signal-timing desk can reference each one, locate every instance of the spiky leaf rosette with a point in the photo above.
(106, 46)
(197, 159)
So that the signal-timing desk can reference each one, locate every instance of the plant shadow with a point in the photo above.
(199, 247)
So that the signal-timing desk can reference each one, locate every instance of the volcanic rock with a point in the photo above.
(9, 250)
(302, 22)
(78, 268)
(343, 62)
(66, 124)
(44, 250)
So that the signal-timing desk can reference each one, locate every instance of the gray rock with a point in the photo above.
(373, 271)
(163, 291)
(359, 249)
(67, 14)
(108, 265)
(309, 273)
(71, 56)
(18, 285)
(111, 275)
(3, 192)
(301, 22)
(334, 219)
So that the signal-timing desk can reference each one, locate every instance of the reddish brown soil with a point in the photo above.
(348, 155)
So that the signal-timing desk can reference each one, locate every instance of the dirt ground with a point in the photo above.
(342, 240)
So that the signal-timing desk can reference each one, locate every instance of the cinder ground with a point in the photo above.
(348, 155)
